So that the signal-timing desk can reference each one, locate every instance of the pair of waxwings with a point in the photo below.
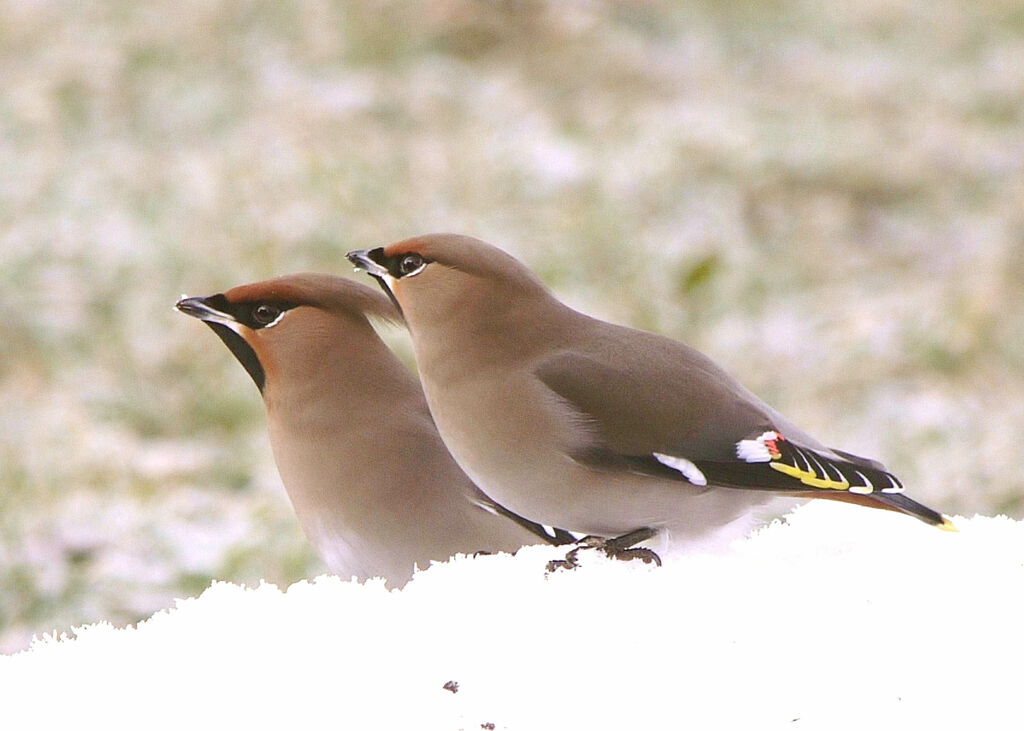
(532, 420)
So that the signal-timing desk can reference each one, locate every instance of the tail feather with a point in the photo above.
(897, 502)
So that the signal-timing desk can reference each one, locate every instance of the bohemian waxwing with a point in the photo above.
(371, 482)
(598, 428)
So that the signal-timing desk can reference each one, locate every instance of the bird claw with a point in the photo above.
(633, 554)
(621, 548)
(568, 563)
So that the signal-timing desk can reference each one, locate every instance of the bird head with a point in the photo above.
(446, 283)
(286, 325)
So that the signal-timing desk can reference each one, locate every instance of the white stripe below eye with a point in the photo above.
(226, 321)
(684, 466)
(275, 320)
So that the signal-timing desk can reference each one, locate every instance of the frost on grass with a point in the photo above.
(835, 618)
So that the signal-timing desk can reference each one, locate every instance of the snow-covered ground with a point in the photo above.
(837, 618)
(825, 198)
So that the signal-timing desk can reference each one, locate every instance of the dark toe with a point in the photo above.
(635, 554)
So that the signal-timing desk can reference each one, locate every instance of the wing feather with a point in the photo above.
(656, 407)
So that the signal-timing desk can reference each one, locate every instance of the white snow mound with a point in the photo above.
(837, 618)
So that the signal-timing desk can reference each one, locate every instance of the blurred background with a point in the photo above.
(829, 202)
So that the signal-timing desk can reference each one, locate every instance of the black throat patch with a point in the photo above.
(242, 351)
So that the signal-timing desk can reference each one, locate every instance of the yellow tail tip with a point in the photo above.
(948, 525)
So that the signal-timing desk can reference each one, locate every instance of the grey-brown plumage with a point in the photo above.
(596, 427)
(371, 482)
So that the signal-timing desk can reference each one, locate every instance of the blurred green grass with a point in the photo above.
(827, 202)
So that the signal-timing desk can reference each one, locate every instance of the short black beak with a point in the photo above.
(208, 309)
(199, 307)
(363, 259)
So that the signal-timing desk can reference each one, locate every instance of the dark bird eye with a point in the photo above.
(265, 314)
(410, 264)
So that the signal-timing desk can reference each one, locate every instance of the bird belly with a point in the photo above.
(494, 439)
(609, 504)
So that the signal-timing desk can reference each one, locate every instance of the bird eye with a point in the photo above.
(410, 264)
(265, 314)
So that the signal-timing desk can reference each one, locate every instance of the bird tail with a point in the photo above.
(897, 502)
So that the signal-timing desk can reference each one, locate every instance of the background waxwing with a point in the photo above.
(371, 482)
(599, 428)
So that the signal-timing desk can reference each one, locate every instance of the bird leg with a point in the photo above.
(568, 563)
(621, 548)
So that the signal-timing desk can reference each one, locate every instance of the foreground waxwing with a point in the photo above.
(371, 482)
(595, 427)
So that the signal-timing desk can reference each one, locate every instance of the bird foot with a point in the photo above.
(568, 563)
(621, 548)
(634, 554)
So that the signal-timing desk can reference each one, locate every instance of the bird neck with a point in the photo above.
(337, 379)
(491, 333)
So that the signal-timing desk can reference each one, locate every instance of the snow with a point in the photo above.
(837, 618)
